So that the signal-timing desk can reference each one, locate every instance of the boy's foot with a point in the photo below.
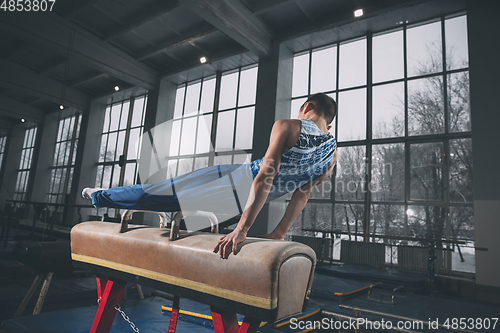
(87, 192)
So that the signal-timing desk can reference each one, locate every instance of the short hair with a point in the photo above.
(324, 105)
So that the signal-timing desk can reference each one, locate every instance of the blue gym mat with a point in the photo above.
(148, 315)
(199, 308)
(336, 288)
(145, 313)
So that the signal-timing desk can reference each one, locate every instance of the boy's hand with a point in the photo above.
(229, 241)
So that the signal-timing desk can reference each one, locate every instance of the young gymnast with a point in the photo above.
(301, 154)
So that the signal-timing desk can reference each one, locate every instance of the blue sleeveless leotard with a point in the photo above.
(224, 188)
(308, 159)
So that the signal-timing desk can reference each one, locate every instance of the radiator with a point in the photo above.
(321, 246)
(415, 258)
(363, 253)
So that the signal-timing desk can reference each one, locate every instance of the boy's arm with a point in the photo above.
(260, 189)
(298, 202)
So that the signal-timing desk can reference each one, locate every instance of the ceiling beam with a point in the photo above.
(234, 20)
(53, 65)
(266, 6)
(87, 79)
(54, 31)
(137, 20)
(174, 42)
(13, 108)
(237, 50)
(21, 78)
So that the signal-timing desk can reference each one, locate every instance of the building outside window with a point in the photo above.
(205, 133)
(404, 142)
(120, 144)
(24, 171)
(64, 157)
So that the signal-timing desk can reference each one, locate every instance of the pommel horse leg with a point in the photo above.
(109, 293)
(224, 321)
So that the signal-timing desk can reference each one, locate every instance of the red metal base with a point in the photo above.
(174, 315)
(226, 322)
(109, 293)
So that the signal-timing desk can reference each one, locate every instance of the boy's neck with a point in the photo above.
(318, 120)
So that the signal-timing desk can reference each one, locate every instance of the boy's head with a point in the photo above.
(323, 105)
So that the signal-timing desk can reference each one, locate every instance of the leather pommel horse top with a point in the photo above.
(266, 279)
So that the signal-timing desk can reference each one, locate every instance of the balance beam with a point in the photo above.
(267, 280)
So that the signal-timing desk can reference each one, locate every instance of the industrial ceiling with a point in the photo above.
(82, 49)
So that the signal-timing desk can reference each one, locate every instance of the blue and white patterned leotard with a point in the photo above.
(308, 159)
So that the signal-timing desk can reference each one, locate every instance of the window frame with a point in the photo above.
(407, 140)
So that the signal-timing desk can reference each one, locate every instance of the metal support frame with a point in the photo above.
(47, 277)
(226, 322)
(109, 292)
(174, 315)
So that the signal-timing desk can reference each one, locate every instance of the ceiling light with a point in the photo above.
(61, 107)
(358, 13)
(203, 60)
(22, 120)
(117, 88)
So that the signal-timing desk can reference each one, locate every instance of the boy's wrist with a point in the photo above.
(242, 229)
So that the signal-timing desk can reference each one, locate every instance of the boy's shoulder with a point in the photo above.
(288, 124)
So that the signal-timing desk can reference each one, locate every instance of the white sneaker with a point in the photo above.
(87, 192)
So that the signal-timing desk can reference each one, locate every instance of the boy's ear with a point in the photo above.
(308, 107)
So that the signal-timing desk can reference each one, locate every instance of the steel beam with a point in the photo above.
(174, 42)
(13, 108)
(234, 20)
(17, 77)
(153, 12)
(51, 30)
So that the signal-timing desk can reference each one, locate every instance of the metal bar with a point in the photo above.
(249, 325)
(224, 321)
(27, 298)
(215, 117)
(388, 236)
(111, 296)
(383, 314)
(43, 293)
(48, 204)
(139, 291)
(338, 315)
(174, 315)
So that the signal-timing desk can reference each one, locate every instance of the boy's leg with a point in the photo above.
(195, 187)
(161, 199)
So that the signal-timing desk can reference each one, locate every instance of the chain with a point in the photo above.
(119, 309)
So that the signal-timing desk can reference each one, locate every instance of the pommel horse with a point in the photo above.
(266, 280)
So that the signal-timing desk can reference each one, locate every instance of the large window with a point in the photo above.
(403, 129)
(23, 174)
(120, 144)
(207, 133)
(64, 159)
